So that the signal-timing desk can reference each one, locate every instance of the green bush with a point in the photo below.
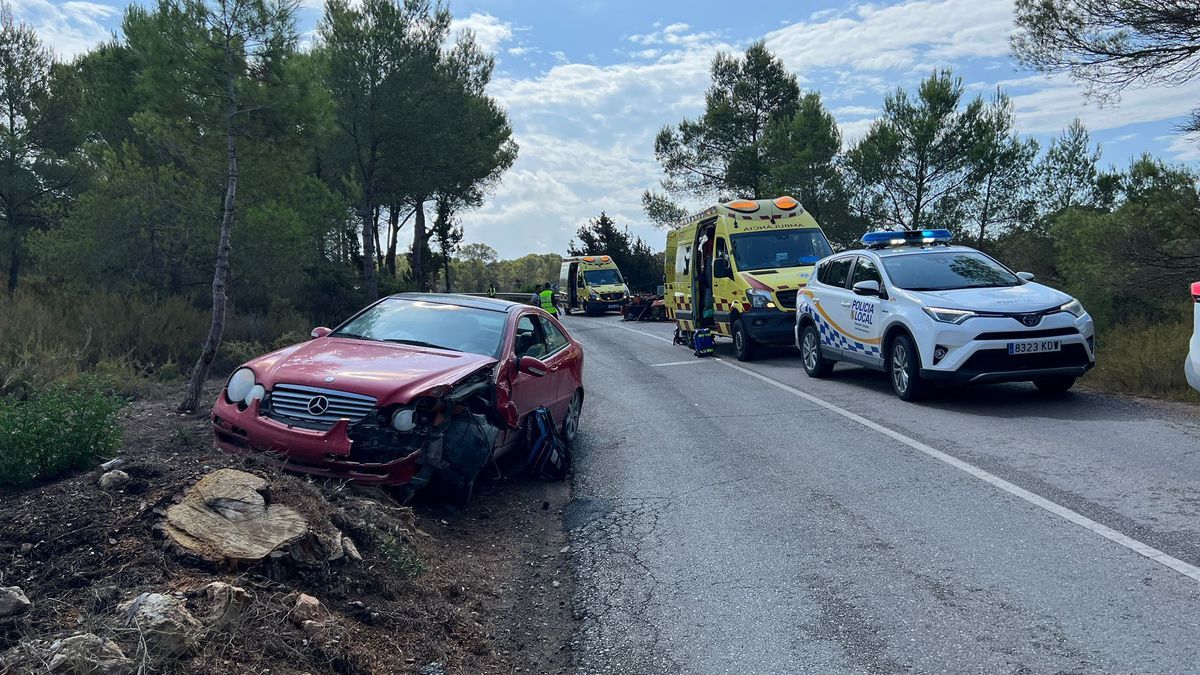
(1144, 359)
(58, 431)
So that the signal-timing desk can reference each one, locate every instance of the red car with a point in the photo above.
(412, 387)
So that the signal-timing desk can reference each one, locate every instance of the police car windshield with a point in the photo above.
(773, 249)
(429, 324)
(602, 277)
(945, 271)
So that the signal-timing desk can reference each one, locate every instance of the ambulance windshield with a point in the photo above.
(606, 277)
(774, 249)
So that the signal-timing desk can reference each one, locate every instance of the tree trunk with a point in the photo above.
(418, 245)
(446, 260)
(365, 213)
(393, 235)
(14, 259)
(221, 274)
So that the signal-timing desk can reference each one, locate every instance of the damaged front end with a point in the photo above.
(447, 431)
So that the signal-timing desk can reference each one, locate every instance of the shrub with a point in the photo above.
(57, 431)
(1144, 359)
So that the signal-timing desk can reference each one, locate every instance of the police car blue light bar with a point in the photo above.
(907, 237)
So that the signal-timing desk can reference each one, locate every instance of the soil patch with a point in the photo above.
(485, 589)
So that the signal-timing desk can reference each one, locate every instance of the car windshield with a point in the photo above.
(773, 249)
(946, 271)
(606, 277)
(429, 324)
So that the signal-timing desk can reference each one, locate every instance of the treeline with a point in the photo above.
(1125, 240)
(206, 156)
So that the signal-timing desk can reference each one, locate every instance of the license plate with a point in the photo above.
(1034, 346)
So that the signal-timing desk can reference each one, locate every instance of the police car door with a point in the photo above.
(833, 301)
(864, 318)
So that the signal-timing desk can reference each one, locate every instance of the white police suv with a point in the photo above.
(912, 305)
(1191, 367)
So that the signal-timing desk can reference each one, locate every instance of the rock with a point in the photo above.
(114, 480)
(351, 550)
(164, 622)
(307, 608)
(79, 654)
(13, 602)
(113, 464)
(433, 668)
(228, 601)
(225, 518)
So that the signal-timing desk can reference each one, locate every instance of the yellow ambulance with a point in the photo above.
(735, 269)
(591, 283)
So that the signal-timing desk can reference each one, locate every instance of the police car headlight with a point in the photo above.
(760, 299)
(1074, 308)
(945, 315)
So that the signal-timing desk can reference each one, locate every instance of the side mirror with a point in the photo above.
(1025, 276)
(866, 288)
(721, 268)
(532, 366)
(320, 332)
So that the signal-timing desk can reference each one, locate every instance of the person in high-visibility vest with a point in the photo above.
(547, 299)
(491, 290)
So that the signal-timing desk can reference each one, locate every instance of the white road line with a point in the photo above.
(1143, 549)
(676, 363)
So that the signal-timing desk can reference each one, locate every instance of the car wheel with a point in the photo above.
(567, 309)
(570, 424)
(904, 366)
(815, 364)
(1058, 384)
(744, 346)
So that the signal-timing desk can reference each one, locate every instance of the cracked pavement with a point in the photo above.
(721, 525)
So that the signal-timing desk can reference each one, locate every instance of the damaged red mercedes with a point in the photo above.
(415, 386)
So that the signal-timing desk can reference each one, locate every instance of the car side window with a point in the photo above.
(529, 341)
(865, 270)
(838, 271)
(555, 340)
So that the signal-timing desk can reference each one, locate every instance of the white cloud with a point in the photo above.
(69, 28)
(489, 31)
(1049, 108)
(855, 111)
(1184, 149)
(871, 37)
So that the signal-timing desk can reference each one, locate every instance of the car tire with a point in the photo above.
(570, 423)
(1058, 384)
(815, 364)
(744, 346)
(567, 309)
(904, 369)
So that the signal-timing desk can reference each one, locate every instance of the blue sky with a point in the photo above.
(588, 84)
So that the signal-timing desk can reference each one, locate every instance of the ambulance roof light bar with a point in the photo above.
(906, 238)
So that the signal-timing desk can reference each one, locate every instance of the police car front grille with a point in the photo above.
(1027, 334)
(787, 299)
(999, 360)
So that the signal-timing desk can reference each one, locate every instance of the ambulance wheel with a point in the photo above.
(904, 367)
(570, 424)
(744, 346)
(815, 364)
(567, 310)
(1058, 384)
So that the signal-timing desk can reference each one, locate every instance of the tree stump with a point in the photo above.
(225, 518)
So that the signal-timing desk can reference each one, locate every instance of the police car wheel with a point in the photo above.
(904, 368)
(743, 345)
(815, 364)
(1058, 384)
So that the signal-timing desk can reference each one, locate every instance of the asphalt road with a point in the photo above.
(739, 518)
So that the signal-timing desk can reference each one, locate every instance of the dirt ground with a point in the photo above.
(485, 589)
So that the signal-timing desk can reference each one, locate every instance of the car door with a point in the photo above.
(833, 304)
(531, 391)
(865, 312)
(562, 357)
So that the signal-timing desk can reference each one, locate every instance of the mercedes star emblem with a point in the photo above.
(317, 405)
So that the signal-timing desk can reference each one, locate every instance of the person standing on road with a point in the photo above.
(491, 292)
(536, 298)
(547, 299)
